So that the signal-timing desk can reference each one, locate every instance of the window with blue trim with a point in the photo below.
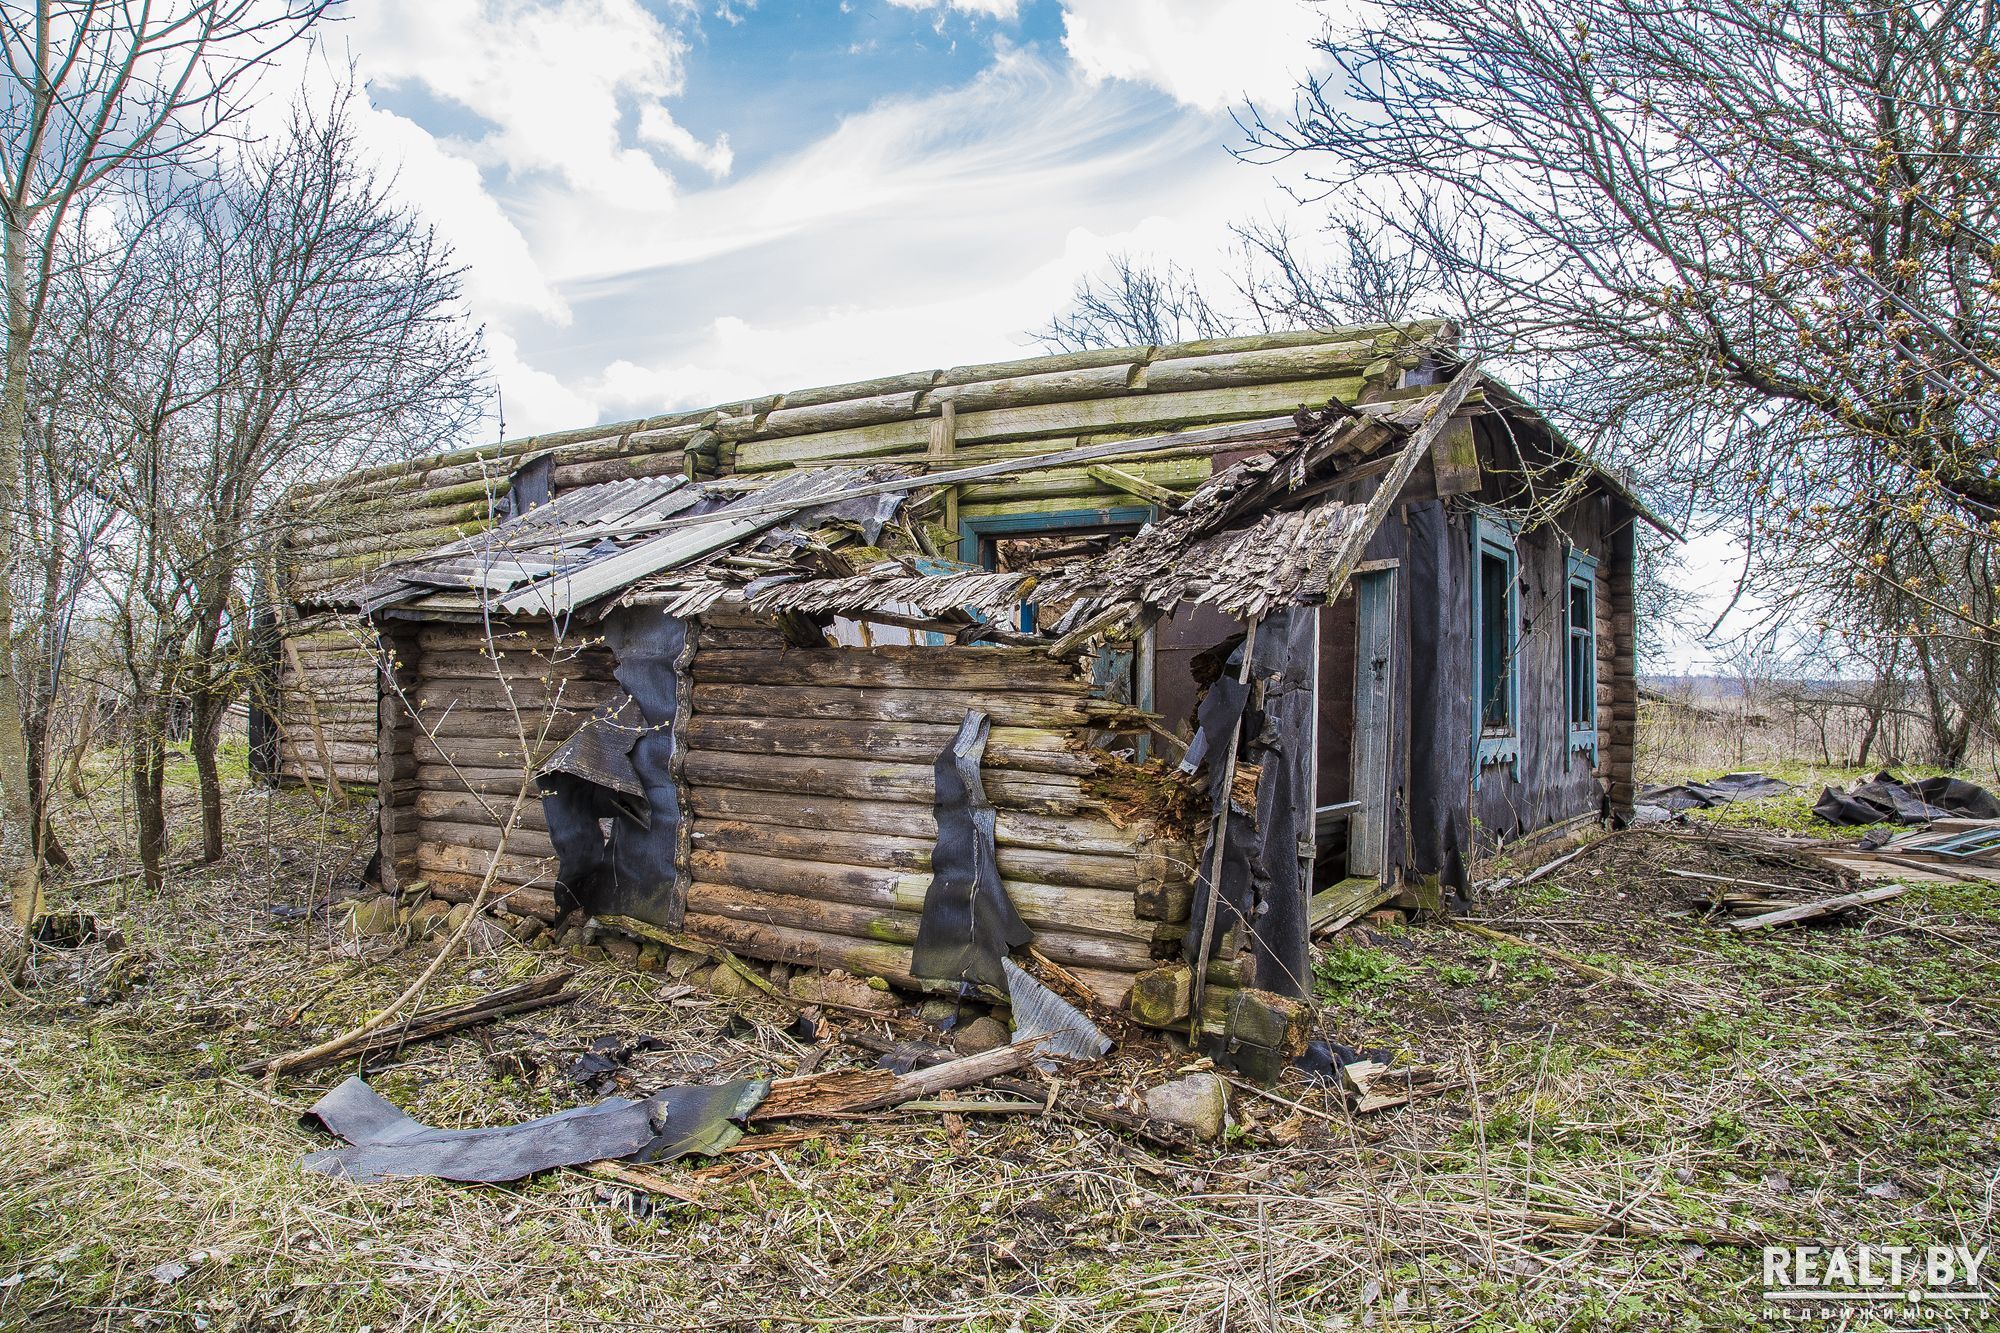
(1582, 673)
(1496, 629)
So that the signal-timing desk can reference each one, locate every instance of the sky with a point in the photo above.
(663, 204)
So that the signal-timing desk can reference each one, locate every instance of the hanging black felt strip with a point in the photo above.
(1217, 721)
(969, 924)
(1282, 751)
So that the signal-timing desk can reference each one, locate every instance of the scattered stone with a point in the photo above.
(699, 980)
(1199, 1102)
(1386, 918)
(459, 914)
(730, 984)
(620, 949)
(589, 953)
(429, 918)
(371, 916)
(652, 957)
(945, 1013)
(682, 965)
(780, 973)
(485, 936)
(840, 988)
(981, 1034)
(571, 937)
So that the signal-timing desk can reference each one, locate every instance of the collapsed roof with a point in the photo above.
(1264, 532)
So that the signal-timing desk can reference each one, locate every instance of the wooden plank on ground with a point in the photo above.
(1825, 906)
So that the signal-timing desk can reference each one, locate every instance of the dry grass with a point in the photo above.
(1609, 1158)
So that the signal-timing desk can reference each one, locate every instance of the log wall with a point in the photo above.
(810, 784)
(485, 715)
(809, 788)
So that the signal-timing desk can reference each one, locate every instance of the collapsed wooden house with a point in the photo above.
(1158, 655)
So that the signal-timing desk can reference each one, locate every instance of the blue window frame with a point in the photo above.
(1496, 635)
(977, 536)
(1581, 665)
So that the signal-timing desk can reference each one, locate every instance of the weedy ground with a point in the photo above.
(1604, 1155)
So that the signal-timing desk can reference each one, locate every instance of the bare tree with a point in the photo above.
(1139, 302)
(95, 91)
(284, 322)
(1754, 245)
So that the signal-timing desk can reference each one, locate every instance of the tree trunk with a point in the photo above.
(149, 787)
(202, 741)
(19, 865)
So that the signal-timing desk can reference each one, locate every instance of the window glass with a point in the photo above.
(1496, 664)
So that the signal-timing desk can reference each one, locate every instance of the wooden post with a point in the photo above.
(1207, 941)
(944, 443)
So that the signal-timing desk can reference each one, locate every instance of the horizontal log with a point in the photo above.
(558, 664)
(909, 382)
(435, 694)
(1174, 474)
(314, 774)
(891, 962)
(860, 704)
(1083, 835)
(919, 668)
(520, 899)
(1048, 386)
(482, 752)
(868, 845)
(760, 639)
(894, 927)
(1013, 749)
(521, 841)
(1105, 913)
(502, 782)
(1221, 370)
(857, 778)
(458, 806)
(624, 467)
(817, 418)
(1135, 412)
(511, 869)
(342, 752)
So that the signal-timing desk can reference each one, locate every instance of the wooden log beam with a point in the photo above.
(1015, 749)
(915, 668)
(868, 845)
(890, 926)
(860, 779)
(1085, 835)
(862, 704)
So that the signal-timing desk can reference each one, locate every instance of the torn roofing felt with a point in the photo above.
(969, 924)
(386, 1144)
(619, 766)
(1887, 799)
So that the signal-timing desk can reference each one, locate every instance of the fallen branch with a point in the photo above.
(424, 1025)
(1824, 907)
(650, 1182)
(849, 1090)
(1157, 1132)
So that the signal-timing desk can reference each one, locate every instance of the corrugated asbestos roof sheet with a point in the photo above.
(596, 541)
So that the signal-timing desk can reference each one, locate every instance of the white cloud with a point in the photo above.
(550, 84)
(995, 9)
(1208, 54)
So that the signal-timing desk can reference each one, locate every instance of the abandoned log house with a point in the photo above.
(1152, 659)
